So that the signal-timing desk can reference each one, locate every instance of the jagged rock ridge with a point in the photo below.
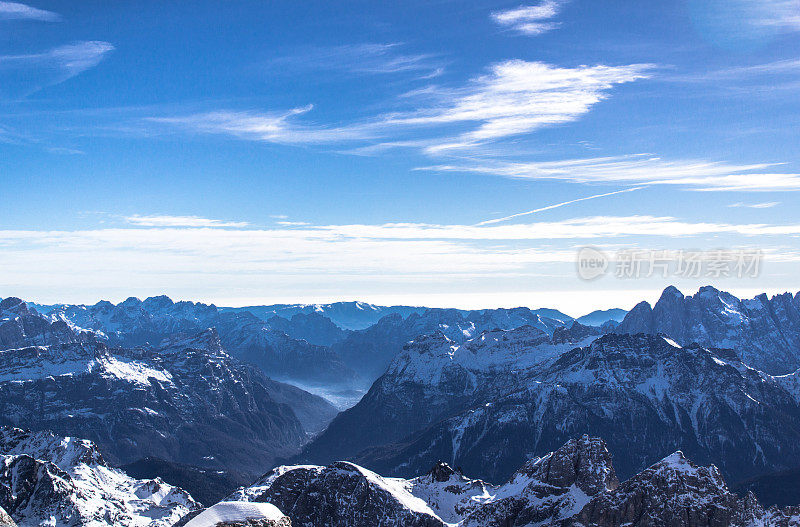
(765, 331)
(575, 485)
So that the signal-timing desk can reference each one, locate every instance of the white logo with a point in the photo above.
(592, 263)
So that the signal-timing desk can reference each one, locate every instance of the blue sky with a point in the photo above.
(256, 152)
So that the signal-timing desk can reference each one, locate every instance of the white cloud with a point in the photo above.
(642, 169)
(17, 11)
(342, 261)
(267, 127)
(67, 61)
(517, 97)
(765, 205)
(778, 14)
(180, 221)
(365, 58)
(530, 20)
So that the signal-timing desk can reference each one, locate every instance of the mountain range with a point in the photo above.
(326, 348)
(207, 397)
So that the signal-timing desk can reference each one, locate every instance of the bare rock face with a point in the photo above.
(340, 495)
(766, 331)
(551, 488)
(22, 326)
(675, 492)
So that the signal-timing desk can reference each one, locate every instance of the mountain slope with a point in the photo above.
(60, 481)
(766, 331)
(431, 380)
(187, 401)
(489, 405)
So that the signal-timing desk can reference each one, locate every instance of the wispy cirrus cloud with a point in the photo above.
(641, 169)
(18, 11)
(161, 220)
(58, 64)
(517, 97)
(764, 205)
(272, 127)
(780, 14)
(530, 20)
(363, 58)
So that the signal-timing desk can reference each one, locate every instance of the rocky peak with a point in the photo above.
(50, 480)
(65, 452)
(13, 305)
(441, 472)
(672, 293)
(341, 495)
(673, 491)
(584, 462)
(131, 302)
(765, 330)
(157, 303)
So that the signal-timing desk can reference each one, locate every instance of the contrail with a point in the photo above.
(498, 220)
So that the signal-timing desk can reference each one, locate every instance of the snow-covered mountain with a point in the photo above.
(340, 495)
(434, 378)
(491, 403)
(346, 345)
(765, 331)
(136, 323)
(52, 481)
(186, 400)
(575, 485)
(372, 350)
